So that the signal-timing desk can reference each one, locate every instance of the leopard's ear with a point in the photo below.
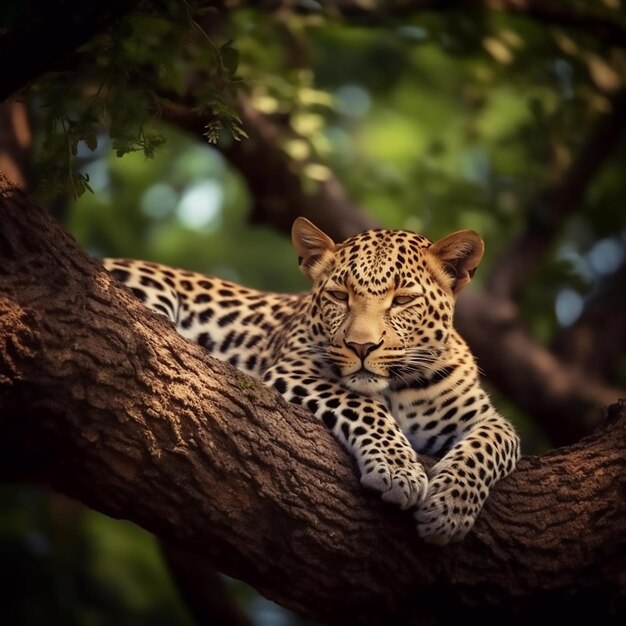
(459, 255)
(314, 247)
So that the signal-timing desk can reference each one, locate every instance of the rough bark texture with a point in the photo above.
(103, 401)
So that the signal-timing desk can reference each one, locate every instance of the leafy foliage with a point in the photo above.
(123, 79)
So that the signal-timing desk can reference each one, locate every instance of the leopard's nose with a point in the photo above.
(362, 349)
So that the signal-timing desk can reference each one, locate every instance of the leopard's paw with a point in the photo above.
(448, 512)
(404, 486)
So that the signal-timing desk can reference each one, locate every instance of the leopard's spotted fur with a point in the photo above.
(371, 351)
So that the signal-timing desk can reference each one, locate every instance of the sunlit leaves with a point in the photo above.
(122, 80)
(224, 117)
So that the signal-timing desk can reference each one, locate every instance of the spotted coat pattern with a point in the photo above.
(371, 351)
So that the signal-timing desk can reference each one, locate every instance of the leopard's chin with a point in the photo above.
(366, 383)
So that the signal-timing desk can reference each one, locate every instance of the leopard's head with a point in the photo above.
(383, 300)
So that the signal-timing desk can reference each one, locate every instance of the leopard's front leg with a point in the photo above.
(461, 480)
(387, 462)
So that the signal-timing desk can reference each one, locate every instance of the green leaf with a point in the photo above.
(91, 140)
(230, 58)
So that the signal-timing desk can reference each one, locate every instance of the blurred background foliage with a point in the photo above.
(432, 121)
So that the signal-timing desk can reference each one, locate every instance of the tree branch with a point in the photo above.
(204, 591)
(562, 398)
(16, 144)
(554, 205)
(61, 27)
(274, 181)
(104, 401)
(597, 340)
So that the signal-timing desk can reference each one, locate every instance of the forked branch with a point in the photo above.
(105, 402)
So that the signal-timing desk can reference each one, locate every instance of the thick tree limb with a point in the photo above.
(561, 397)
(274, 181)
(103, 401)
(204, 592)
(554, 205)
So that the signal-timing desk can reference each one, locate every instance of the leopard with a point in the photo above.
(371, 350)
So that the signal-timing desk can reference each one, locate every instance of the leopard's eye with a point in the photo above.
(336, 294)
(404, 299)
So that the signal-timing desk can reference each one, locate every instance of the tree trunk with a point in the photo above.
(103, 401)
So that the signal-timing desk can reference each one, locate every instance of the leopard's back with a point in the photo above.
(236, 324)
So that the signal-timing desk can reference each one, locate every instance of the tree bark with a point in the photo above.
(103, 401)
